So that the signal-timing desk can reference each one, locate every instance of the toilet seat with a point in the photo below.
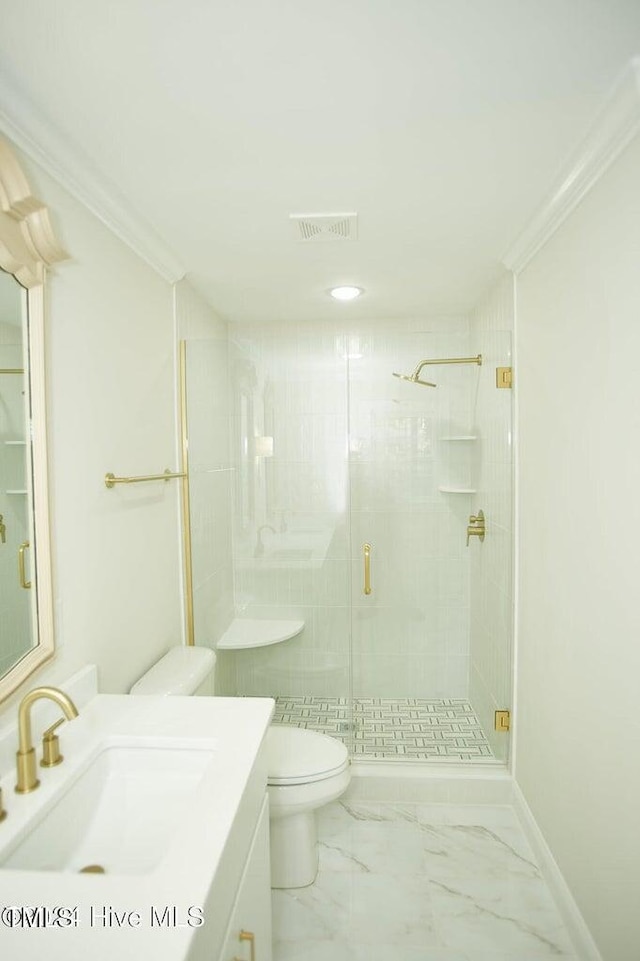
(299, 756)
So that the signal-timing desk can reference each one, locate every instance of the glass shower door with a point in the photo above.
(418, 470)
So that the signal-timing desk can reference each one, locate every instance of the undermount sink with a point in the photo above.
(118, 817)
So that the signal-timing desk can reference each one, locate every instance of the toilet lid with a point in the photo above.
(298, 756)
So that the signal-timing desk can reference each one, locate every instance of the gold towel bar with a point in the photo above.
(111, 480)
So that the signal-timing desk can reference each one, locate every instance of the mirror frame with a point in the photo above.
(28, 246)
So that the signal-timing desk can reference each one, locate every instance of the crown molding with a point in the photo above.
(613, 128)
(39, 140)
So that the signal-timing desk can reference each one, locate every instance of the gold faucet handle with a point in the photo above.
(3, 530)
(3, 813)
(51, 746)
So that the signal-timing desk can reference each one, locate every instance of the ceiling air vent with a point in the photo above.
(320, 228)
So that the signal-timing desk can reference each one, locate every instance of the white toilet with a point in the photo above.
(306, 769)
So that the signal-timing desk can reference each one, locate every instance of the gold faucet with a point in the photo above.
(26, 755)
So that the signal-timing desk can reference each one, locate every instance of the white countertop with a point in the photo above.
(116, 916)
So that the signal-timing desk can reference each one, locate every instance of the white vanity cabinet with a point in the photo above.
(237, 910)
(248, 936)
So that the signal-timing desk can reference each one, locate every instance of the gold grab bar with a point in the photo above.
(110, 480)
(21, 567)
(366, 548)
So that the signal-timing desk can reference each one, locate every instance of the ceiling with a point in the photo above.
(442, 123)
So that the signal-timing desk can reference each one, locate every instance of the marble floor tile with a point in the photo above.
(360, 909)
(420, 882)
(512, 918)
(334, 951)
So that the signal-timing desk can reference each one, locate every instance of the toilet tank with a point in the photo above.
(182, 670)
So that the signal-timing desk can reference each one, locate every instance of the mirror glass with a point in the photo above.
(26, 597)
(28, 247)
(18, 622)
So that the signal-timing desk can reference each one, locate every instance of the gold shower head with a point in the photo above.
(414, 379)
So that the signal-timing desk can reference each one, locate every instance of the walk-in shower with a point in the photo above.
(329, 514)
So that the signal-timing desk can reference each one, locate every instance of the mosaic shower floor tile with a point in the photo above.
(378, 727)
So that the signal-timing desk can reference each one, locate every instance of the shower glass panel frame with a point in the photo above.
(432, 640)
(302, 449)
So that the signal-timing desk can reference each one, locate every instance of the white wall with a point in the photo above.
(492, 594)
(578, 728)
(111, 406)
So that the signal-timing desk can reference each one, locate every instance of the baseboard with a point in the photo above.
(449, 782)
(584, 945)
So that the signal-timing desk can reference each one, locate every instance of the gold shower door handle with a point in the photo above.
(251, 938)
(21, 567)
(366, 548)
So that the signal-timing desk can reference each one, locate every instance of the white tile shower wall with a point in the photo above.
(210, 468)
(290, 538)
(410, 637)
(492, 561)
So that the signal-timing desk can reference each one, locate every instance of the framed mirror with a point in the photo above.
(27, 247)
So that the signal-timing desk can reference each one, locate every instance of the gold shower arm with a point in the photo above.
(110, 480)
(449, 360)
(414, 378)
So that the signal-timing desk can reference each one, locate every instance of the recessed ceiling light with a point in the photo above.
(346, 293)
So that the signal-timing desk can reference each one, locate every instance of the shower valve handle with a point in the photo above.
(476, 527)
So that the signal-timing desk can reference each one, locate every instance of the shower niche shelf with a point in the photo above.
(245, 633)
(457, 490)
(457, 467)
